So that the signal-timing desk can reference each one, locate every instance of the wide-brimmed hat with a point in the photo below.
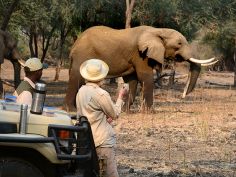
(94, 70)
(34, 64)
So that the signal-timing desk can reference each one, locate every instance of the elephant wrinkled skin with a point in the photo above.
(130, 53)
(8, 50)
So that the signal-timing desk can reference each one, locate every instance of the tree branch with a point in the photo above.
(8, 14)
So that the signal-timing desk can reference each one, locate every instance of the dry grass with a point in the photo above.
(193, 137)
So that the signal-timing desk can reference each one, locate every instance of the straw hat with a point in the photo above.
(94, 70)
(34, 64)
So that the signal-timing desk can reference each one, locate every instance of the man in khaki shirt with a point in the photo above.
(96, 104)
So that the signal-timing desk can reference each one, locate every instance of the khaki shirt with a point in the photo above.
(96, 104)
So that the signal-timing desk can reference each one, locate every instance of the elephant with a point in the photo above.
(131, 53)
(8, 50)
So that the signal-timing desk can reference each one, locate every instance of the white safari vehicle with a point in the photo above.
(45, 145)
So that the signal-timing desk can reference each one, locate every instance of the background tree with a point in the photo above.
(40, 23)
(160, 13)
(35, 19)
(7, 12)
(65, 11)
(128, 13)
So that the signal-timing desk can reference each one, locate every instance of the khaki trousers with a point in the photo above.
(107, 161)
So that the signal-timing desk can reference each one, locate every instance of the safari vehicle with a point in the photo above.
(50, 144)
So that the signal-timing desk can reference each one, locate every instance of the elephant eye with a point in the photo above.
(179, 43)
(177, 47)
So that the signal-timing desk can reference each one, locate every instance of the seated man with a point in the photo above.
(33, 72)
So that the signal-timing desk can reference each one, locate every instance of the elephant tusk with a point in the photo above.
(22, 63)
(186, 87)
(208, 64)
(202, 61)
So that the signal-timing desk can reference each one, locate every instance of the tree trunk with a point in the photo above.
(128, 13)
(172, 76)
(8, 14)
(64, 33)
(17, 71)
(235, 61)
(45, 46)
(33, 44)
(58, 69)
(1, 85)
(59, 61)
(35, 37)
(172, 79)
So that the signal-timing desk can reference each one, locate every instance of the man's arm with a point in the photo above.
(24, 98)
(113, 110)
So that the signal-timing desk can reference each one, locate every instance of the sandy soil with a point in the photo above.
(195, 136)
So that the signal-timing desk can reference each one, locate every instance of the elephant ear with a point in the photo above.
(153, 44)
(10, 42)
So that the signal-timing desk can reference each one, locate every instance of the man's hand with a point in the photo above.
(123, 93)
(109, 120)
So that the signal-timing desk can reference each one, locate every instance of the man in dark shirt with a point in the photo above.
(33, 71)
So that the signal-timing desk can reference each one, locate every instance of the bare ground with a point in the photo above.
(195, 136)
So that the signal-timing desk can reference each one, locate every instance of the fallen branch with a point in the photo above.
(220, 84)
(181, 76)
(167, 75)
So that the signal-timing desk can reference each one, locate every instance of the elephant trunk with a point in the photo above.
(194, 72)
(17, 72)
(15, 55)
